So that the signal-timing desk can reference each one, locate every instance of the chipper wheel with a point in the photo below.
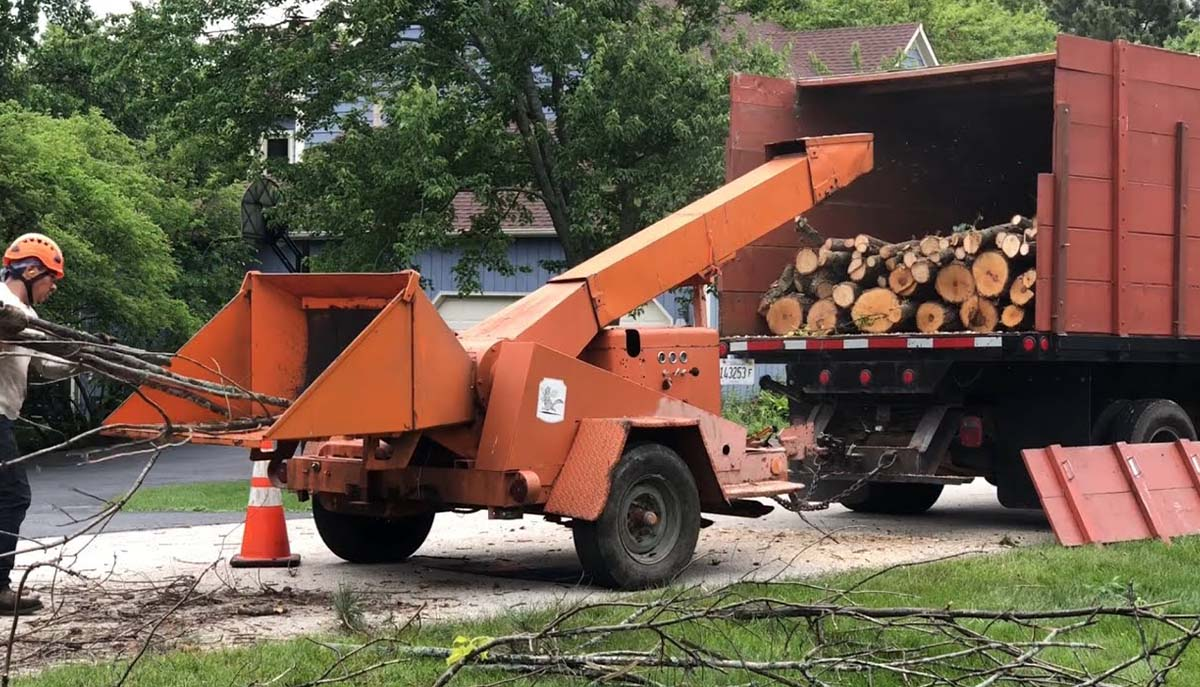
(363, 539)
(647, 531)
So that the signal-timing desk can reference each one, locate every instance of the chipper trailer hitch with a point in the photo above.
(542, 408)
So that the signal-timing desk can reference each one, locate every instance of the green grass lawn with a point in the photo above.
(202, 497)
(1044, 577)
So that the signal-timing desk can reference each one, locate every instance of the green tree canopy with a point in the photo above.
(959, 30)
(608, 114)
(92, 189)
(1152, 22)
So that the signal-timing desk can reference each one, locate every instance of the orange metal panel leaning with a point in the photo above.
(1100, 494)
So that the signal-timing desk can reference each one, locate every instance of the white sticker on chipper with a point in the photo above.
(552, 400)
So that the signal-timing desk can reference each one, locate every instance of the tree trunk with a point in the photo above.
(1022, 289)
(778, 288)
(936, 316)
(901, 281)
(931, 245)
(1009, 244)
(865, 243)
(865, 269)
(954, 283)
(1013, 316)
(835, 261)
(822, 284)
(976, 240)
(845, 294)
(894, 249)
(923, 271)
(824, 317)
(807, 260)
(979, 314)
(836, 246)
(786, 314)
(990, 271)
(879, 310)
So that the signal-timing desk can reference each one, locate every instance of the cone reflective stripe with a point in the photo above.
(265, 540)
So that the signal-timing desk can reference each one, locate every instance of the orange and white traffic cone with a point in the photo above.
(265, 540)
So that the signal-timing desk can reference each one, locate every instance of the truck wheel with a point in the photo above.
(1152, 421)
(363, 539)
(1102, 432)
(648, 529)
(894, 498)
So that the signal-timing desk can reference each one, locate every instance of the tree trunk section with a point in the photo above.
(990, 271)
(824, 317)
(879, 310)
(936, 316)
(845, 294)
(835, 261)
(976, 240)
(901, 281)
(922, 271)
(807, 260)
(1022, 289)
(931, 245)
(1013, 316)
(865, 243)
(979, 314)
(822, 285)
(894, 249)
(1010, 244)
(786, 314)
(778, 289)
(954, 283)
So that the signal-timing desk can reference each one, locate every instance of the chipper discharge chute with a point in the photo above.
(542, 408)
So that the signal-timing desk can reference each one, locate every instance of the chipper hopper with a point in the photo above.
(543, 408)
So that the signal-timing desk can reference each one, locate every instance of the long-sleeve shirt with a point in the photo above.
(14, 369)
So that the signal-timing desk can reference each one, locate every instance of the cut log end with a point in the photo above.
(786, 314)
(979, 314)
(845, 294)
(879, 310)
(901, 281)
(936, 316)
(990, 271)
(1022, 289)
(954, 283)
(807, 260)
(1012, 317)
(823, 317)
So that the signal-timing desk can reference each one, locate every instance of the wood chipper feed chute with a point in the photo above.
(282, 333)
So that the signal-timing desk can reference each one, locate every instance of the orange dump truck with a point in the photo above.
(1099, 141)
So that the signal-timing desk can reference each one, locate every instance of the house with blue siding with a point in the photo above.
(809, 53)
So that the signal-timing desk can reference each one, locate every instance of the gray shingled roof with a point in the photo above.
(832, 46)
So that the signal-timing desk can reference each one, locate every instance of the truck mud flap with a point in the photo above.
(1122, 492)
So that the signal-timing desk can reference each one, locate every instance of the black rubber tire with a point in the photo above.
(1149, 421)
(363, 539)
(603, 545)
(894, 498)
(1102, 431)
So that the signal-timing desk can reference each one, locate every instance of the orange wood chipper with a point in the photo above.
(543, 408)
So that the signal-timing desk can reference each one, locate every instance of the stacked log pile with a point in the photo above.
(979, 280)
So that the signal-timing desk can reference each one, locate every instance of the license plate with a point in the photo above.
(737, 372)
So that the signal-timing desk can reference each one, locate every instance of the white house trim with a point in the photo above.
(923, 46)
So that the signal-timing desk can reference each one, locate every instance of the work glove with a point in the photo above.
(12, 321)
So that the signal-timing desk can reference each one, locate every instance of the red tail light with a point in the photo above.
(864, 377)
(970, 432)
(908, 377)
(824, 377)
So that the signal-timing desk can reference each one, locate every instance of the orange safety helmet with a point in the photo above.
(37, 246)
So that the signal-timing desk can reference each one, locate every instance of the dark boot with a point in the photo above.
(11, 605)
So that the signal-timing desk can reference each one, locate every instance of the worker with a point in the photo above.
(32, 267)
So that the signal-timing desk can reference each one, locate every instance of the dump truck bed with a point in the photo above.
(1095, 137)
